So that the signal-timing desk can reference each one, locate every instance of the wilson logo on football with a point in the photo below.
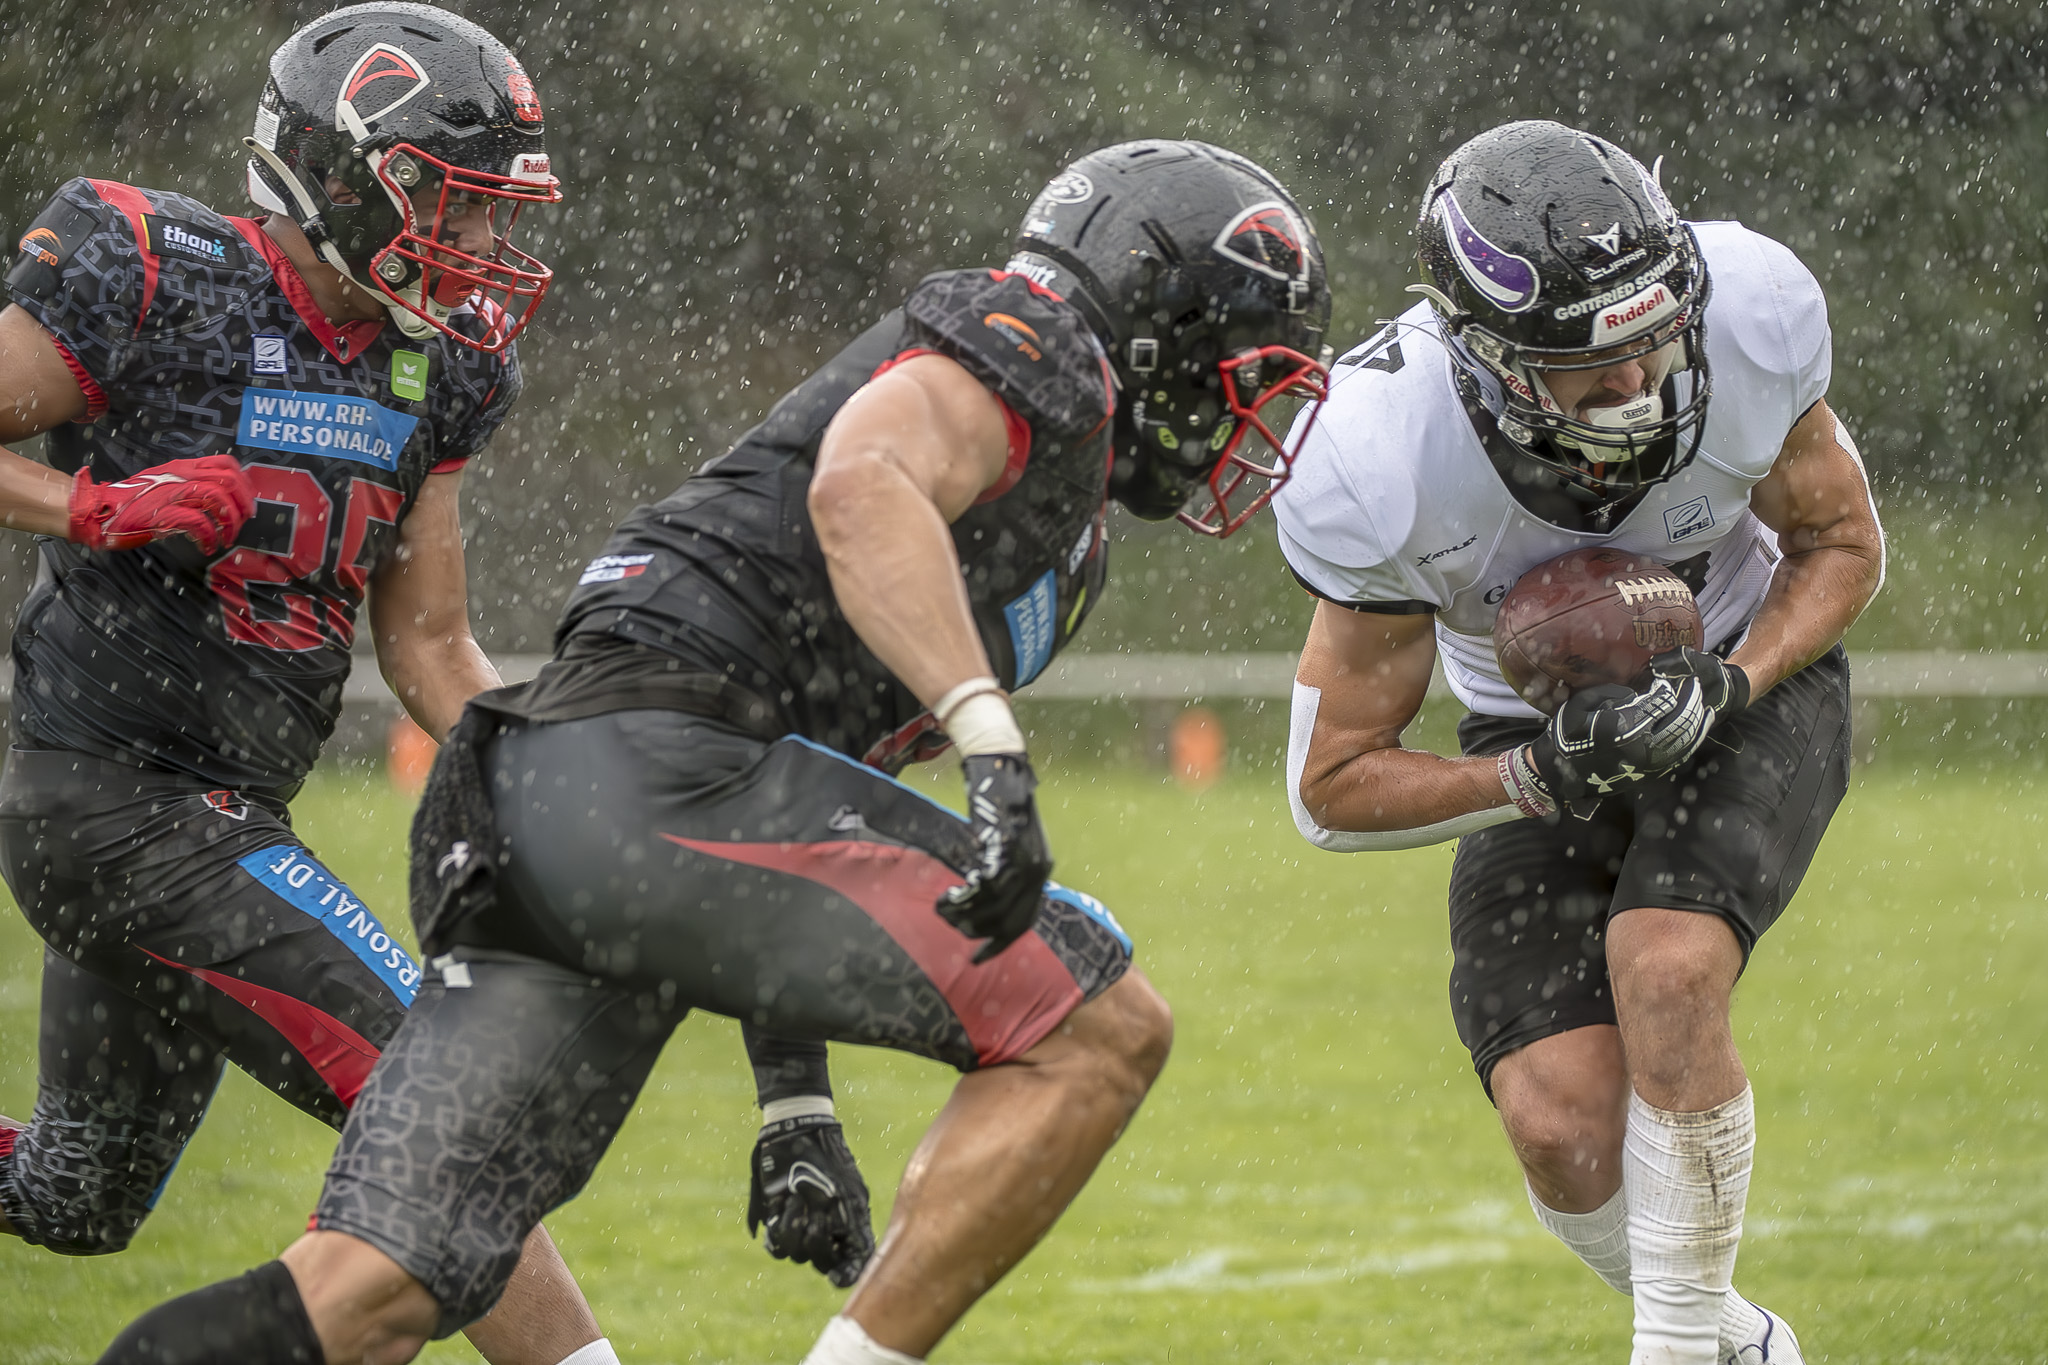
(33, 245)
(381, 80)
(1268, 238)
(1015, 330)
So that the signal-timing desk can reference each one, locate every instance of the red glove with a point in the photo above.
(207, 499)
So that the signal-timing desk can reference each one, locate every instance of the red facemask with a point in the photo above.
(505, 286)
(1234, 473)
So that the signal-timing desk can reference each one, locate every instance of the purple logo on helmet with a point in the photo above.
(1506, 280)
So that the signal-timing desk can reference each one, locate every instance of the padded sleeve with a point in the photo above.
(474, 434)
(79, 271)
(1030, 347)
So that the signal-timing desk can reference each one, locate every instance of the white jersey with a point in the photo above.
(1394, 500)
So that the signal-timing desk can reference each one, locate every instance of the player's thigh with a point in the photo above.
(207, 909)
(1528, 916)
(780, 883)
(119, 1091)
(492, 1105)
(1734, 832)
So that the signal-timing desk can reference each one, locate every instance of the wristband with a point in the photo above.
(796, 1107)
(984, 724)
(1738, 689)
(976, 716)
(1518, 777)
(944, 707)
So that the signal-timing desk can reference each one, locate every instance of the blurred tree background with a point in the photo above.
(750, 183)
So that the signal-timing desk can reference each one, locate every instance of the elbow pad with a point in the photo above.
(1300, 728)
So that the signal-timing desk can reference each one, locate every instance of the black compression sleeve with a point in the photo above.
(258, 1316)
(786, 1067)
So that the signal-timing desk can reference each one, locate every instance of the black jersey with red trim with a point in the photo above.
(191, 334)
(726, 573)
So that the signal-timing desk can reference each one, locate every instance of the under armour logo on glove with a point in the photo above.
(206, 499)
(1609, 737)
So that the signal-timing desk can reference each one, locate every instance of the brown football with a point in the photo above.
(1590, 616)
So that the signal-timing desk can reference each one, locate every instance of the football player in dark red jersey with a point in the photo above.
(910, 535)
(254, 424)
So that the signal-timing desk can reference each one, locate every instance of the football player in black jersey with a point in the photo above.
(254, 423)
(693, 807)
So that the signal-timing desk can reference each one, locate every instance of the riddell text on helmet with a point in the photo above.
(1653, 305)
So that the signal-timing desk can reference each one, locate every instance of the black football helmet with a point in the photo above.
(401, 102)
(1550, 249)
(1205, 283)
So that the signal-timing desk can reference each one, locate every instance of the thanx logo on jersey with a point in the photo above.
(175, 239)
(324, 424)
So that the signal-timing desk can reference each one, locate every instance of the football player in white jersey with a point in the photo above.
(1590, 370)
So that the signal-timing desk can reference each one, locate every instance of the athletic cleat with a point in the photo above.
(1771, 1344)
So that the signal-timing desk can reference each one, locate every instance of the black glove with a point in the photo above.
(1608, 736)
(1723, 686)
(808, 1192)
(1006, 885)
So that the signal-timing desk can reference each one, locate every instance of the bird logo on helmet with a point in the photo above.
(1545, 249)
(1204, 282)
(380, 125)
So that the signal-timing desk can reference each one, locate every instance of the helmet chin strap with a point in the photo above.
(310, 222)
(308, 218)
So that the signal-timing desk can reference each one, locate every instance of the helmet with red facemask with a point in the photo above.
(424, 119)
(1205, 283)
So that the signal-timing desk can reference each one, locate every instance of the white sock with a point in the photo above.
(598, 1352)
(1599, 1238)
(845, 1342)
(1686, 1178)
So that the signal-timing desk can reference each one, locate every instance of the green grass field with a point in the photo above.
(1317, 1178)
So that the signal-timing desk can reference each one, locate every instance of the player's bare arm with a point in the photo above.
(1373, 672)
(419, 613)
(906, 456)
(205, 500)
(37, 391)
(1817, 499)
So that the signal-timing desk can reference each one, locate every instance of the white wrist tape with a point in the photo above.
(796, 1107)
(943, 708)
(976, 716)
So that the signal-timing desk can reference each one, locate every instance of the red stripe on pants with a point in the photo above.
(1006, 1004)
(340, 1055)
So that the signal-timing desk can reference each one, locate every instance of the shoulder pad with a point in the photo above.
(1032, 348)
(73, 215)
